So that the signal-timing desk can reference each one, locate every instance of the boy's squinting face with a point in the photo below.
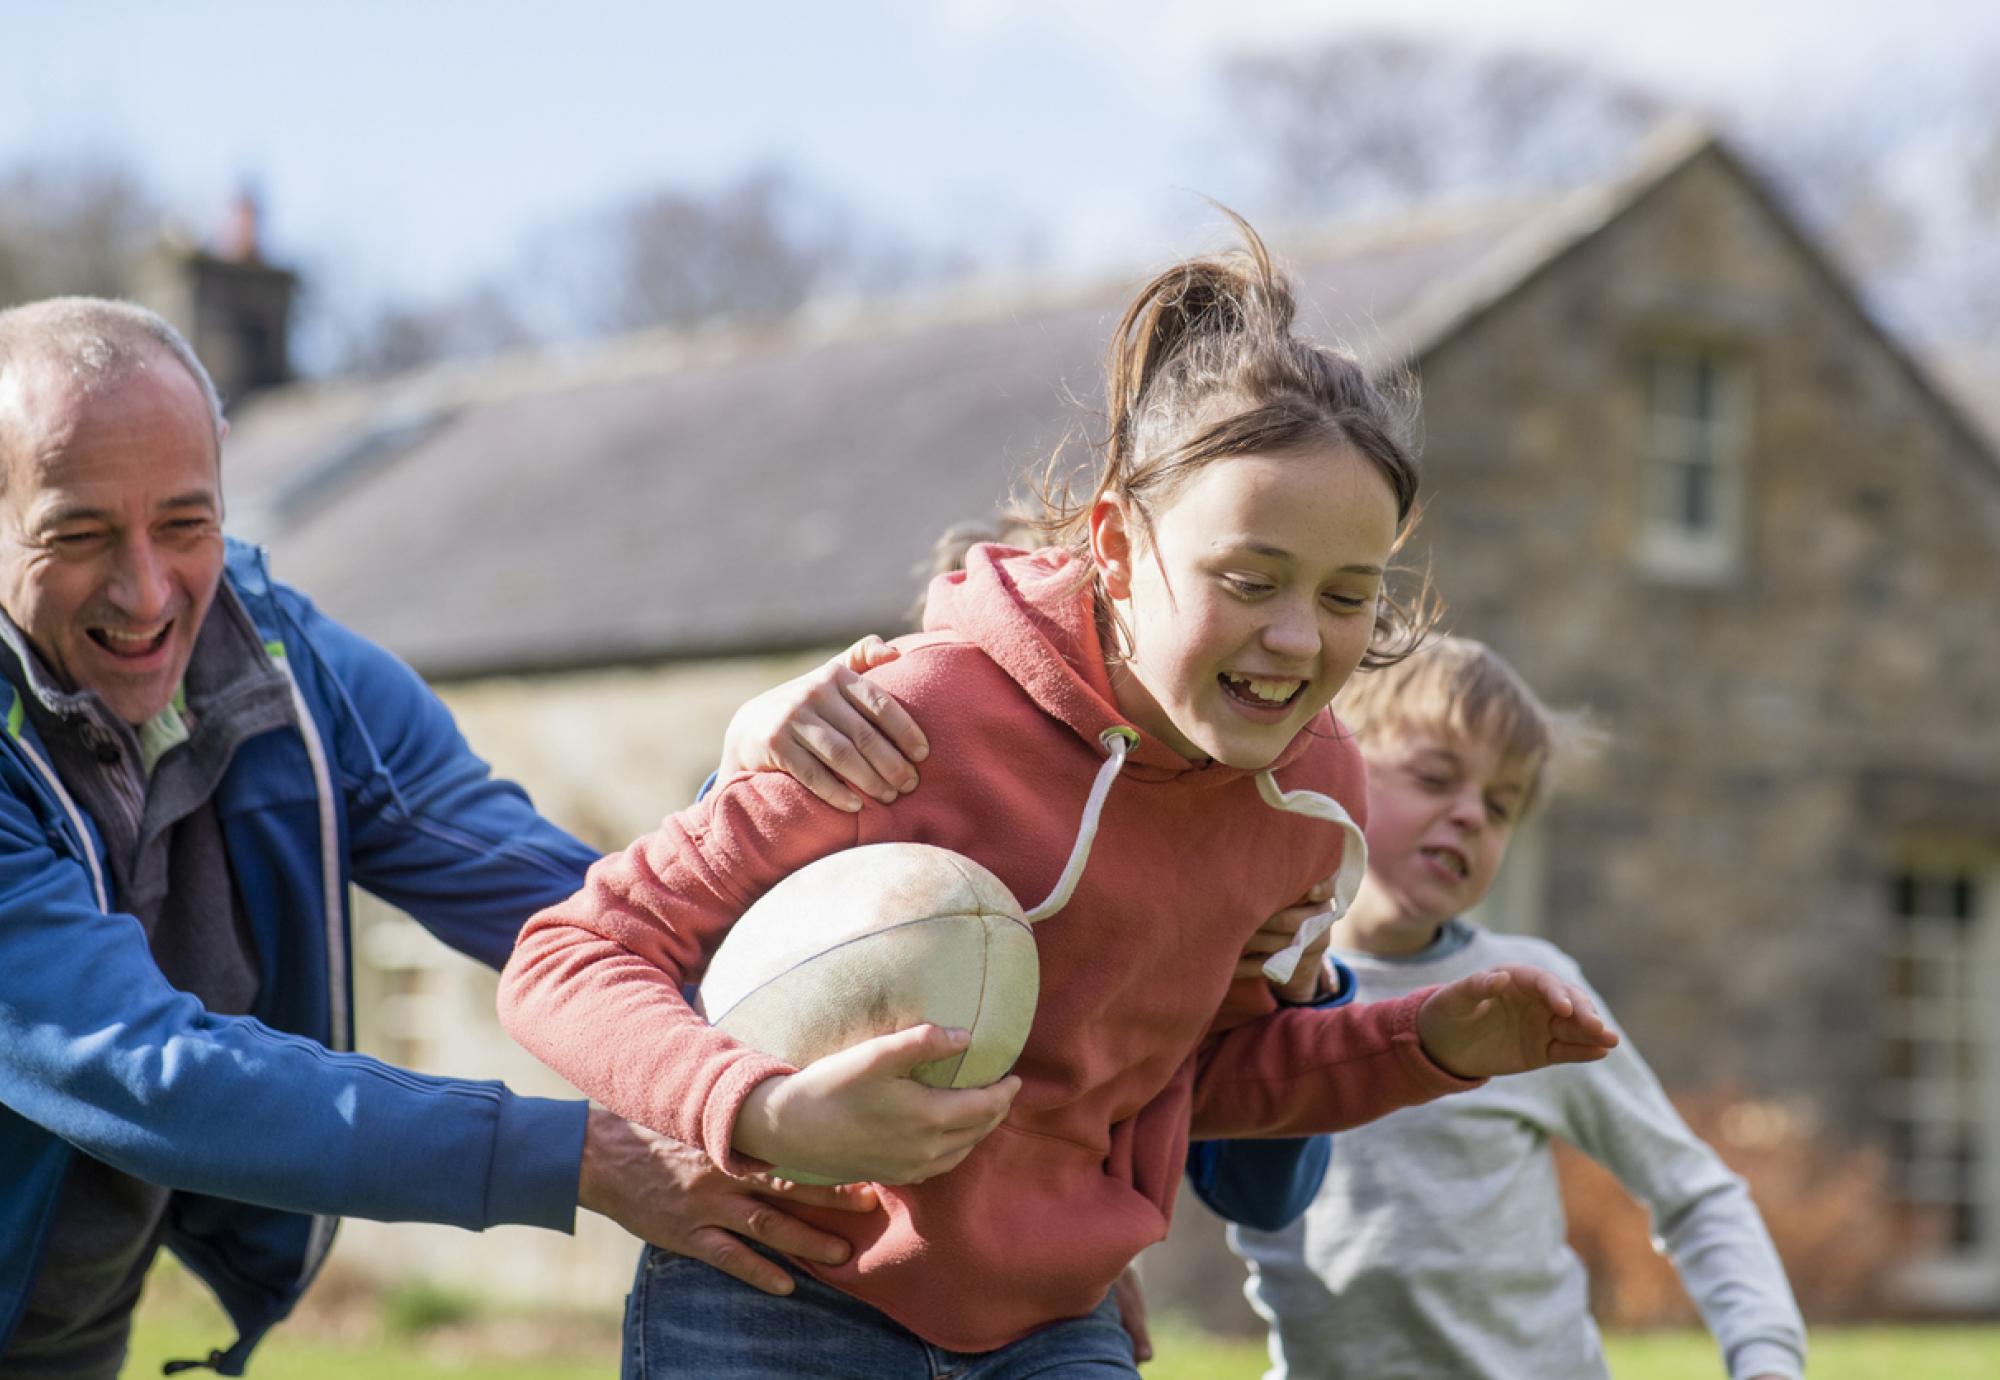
(1254, 602)
(1441, 809)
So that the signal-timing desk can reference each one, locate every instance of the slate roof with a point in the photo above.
(671, 495)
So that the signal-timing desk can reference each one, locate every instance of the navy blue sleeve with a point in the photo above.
(1264, 1184)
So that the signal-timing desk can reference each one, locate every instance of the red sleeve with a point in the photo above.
(594, 985)
(1305, 1070)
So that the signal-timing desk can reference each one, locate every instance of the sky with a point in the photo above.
(405, 148)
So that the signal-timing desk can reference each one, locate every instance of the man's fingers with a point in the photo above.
(1132, 1313)
(729, 1255)
(888, 714)
(770, 1225)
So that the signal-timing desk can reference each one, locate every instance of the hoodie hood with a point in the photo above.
(1034, 613)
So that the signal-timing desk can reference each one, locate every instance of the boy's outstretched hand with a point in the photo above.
(1511, 1019)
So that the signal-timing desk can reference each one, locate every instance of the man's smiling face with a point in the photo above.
(110, 527)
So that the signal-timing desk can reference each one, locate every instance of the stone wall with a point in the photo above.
(606, 754)
(1720, 870)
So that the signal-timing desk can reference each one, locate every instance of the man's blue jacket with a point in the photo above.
(265, 1128)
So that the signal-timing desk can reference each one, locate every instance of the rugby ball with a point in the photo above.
(873, 940)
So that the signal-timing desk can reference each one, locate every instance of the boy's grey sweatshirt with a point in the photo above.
(1435, 1247)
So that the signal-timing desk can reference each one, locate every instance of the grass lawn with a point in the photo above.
(178, 1321)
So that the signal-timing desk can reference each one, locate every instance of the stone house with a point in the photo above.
(1673, 470)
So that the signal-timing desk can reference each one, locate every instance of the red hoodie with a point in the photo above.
(1128, 1047)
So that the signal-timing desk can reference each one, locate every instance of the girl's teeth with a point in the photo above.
(1271, 691)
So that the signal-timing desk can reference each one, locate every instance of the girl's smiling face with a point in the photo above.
(1252, 602)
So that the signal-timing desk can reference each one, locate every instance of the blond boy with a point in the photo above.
(1435, 1246)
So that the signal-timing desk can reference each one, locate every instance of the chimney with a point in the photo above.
(237, 242)
(234, 308)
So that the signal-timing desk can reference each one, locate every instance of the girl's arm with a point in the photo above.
(594, 990)
(1305, 1070)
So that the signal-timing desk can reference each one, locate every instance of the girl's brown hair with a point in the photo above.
(1204, 366)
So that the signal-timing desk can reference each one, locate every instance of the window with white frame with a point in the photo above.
(1696, 452)
(1940, 1073)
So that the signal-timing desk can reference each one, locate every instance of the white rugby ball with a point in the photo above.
(877, 939)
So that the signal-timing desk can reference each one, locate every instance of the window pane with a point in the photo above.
(1697, 497)
(1691, 489)
(1674, 387)
(1934, 1058)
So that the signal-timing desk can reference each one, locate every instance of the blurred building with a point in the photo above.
(233, 305)
(1674, 471)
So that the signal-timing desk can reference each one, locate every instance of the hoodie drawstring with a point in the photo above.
(1280, 966)
(1117, 741)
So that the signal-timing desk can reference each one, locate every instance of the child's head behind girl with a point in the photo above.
(1458, 750)
(1251, 492)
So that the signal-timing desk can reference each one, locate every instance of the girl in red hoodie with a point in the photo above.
(1221, 582)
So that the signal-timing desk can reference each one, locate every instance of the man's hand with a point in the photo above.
(858, 1115)
(670, 1195)
(1132, 1312)
(1276, 933)
(1511, 1019)
(831, 729)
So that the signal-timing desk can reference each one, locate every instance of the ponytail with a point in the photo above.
(1202, 366)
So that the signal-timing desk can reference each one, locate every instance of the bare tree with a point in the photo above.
(1905, 193)
(754, 249)
(392, 338)
(73, 230)
(1380, 120)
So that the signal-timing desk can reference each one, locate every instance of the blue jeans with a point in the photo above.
(689, 1321)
